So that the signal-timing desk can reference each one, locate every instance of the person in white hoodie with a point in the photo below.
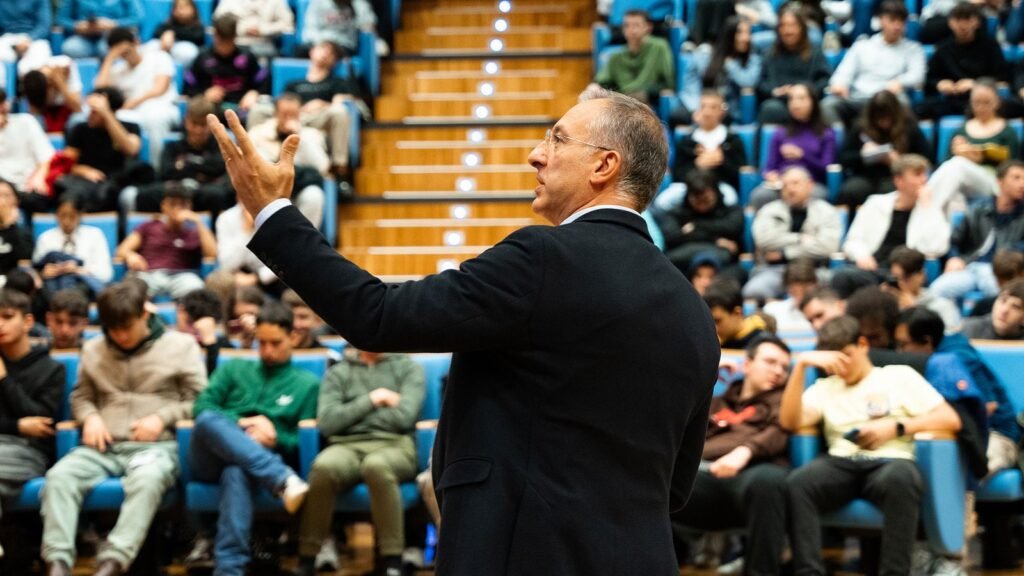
(260, 23)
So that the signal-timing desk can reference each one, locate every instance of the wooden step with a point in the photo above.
(411, 182)
(426, 152)
(523, 40)
(529, 107)
(410, 261)
(548, 14)
(429, 232)
(565, 66)
(437, 210)
(481, 83)
(481, 133)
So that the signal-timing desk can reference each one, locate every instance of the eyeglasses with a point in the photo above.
(550, 136)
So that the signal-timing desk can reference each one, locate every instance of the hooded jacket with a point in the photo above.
(162, 376)
(753, 423)
(971, 240)
(34, 386)
(721, 222)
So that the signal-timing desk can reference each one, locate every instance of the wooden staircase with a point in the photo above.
(466, 96)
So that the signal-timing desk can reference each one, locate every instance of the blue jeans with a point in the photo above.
(82, 47)
(956, 285)
(221, 452)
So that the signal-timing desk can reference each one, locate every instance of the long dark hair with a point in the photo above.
(195, 13)
(804, 46)
(814, 121)
(725, 47)
(885, 104)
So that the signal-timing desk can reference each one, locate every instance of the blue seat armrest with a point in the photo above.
(834, 180)
(207, 266)
(749, 179)
(677, 34)
(309, 446)
(183, 435)
(371, 61)
(837, 261)
(602, 37)
(120, 270)
(945, 481)
(747, 261)
(804, 446)
(667, 101)
(426, 430)
(932, 270)
(748, 106)
(68, 436)
(355, 128)
(288, 43)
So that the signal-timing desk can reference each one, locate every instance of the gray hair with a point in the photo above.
(799, 170)
(640, 139)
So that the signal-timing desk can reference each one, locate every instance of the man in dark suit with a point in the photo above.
(578, 398)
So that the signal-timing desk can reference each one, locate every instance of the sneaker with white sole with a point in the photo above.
(327, 558)
(201, 554)
(294, 493)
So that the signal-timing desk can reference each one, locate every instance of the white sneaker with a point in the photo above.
(732, 568)
(1, 551)
(327, 557)
(294, 493)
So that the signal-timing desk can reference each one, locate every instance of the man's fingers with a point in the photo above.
(288, 149)
(248, 149)
(227, 147)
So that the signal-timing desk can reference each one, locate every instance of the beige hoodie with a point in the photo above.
(163, 377)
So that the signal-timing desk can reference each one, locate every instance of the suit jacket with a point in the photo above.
(577, 402)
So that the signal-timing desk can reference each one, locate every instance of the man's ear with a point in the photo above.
(862, 342)
(30, 321)
(608, 169)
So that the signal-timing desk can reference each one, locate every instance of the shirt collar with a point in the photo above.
(579, 213)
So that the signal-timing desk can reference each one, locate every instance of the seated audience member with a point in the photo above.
(795, 226)
(87, 22)
(194, 162)
(321, 93)
(702, 227)
(906, 217)
(742, 477)
(166, 252)
(644, 67)
(338, 22)
(134, 383)
(702, 273)
(990, 226)
(984, 142)
(67, 318)
(53, 92)
(877, 312)
(804, 141)
(182, 35)
(25, 154)
(726, 304)
(712, 18)
(860, 76)
(793, 60)
(242, 308)
(307, 326)
(260, 23)
(15, 239)
(800, 278)
(870, 415)
(906, 283)
(198, 313)
(872, 148)
(100, 148)
(731, 67)
(234, 229)
(72, 254)
(710, 146)
(31, 393)
(25, 33)
(226, 74)
(368, 407)
(1007, 266)
(146, 79)
(1006, 322)
(821, 305)
(953, 357)
(958, 62)
(311, 160)
(246, 432)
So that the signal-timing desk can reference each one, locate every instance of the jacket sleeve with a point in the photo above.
(744, 76)
(823, 239)
(335, 415)
(734, 158)
(686, 155)
(849, 152)
(282, 20)
(191, 382)
(819, 73)
(928, 231)
(670, 226)
(412, 386)
(729, 226)
(774, 156)
(768, 443)
(769, 68)
(132, 14)
(818, 162)
(66, 17)
(936, 70)
(844, 74)
(44, 401)
(693, 81)
(83, 397)
(288, 436)
(862, 237)
(689, 455)
(959, 241)
(41, 29)
(197, 78)
(770, 230)
(487, 303)
(916, 68)
(215, 395)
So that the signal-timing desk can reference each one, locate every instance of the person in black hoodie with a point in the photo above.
(959, 61)
(703, 225)
(15, 239)
(711, 146)
(31, 391)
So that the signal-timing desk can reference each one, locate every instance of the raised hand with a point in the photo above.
(256, 181)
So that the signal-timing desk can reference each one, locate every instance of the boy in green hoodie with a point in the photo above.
(246, 427)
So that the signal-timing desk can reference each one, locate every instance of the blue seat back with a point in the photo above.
(105, 221)
(435, 368)
(286, 70)
(10, 79)
(947, 127)
(70, 360)
(1006, 360)
(314, 360)
(764, 141)
(657, 10)
(88, 68)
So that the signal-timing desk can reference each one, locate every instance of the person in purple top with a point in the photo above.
(804, 141)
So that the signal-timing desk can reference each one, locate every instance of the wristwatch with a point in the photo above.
(901, 430)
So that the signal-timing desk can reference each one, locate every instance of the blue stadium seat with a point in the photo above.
(944, 135)
(88, 68)
(942, 503)
(11, 79)
(657, 10)
(105, 221)
(286, 70)
(1005, 359)
(56, 140)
